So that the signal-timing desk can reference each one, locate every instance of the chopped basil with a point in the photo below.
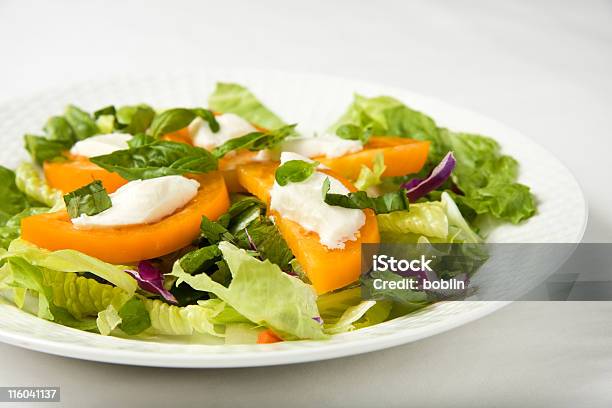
(179, 118)
(354, 132)
(386, 203)
(255, 141)
(201, 259)
(90, 200)
(157, 159)
(134, 317)
(294, 171)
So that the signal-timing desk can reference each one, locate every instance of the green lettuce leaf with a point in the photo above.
(58, 129)
(486, 177)
(234, 98)
(68, 260)
(82, 123)
(29, 181)
(42, 149)
(262, 293)
(12, 228)
(13, 200)
(439, 221)
(371, 177)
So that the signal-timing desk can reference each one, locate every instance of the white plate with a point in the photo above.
(314, 102)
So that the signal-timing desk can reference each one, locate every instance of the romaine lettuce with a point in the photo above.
(486, 178)
(262, 293)
(235, 98)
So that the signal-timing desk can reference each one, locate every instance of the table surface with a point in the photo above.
(544, 68)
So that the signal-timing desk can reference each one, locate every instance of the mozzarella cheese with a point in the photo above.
(327, 145)
(303, 203)
(101, 144)
(231, 126)
(142, 202)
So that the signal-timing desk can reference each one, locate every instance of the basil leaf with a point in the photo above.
(58, 128)
(201, 259)
(107, 110)
(134, 317)
(90, 200)
(214, 232)
(244, 211)
(354, 132)
(261, 235)
(42, 149)
(157, 159)
(179, 118)
(135, 119)
(140, 139)
(82, 123)
(294, 171)
(255, 141)
(386, 203)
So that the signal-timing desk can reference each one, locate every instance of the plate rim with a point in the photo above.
(269, 355)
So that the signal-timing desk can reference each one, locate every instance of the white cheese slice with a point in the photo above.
(101, 144)
(142, 202)
(303, 203)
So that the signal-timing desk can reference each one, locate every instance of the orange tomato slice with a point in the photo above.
(402, 156)
(77, 172)
(327, 269)
(125, 245)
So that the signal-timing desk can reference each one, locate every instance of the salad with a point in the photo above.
(227, 224)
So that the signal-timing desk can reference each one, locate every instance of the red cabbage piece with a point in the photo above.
(417, 188)
(151, 279)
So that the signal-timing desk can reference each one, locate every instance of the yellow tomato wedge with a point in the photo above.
(402, 156)
(327, 269)
(124, 245)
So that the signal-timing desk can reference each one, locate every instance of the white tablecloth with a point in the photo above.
(543, 68)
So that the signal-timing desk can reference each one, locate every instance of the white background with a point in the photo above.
(544, 68)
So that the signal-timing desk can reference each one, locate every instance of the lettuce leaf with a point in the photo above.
(262, 293)
(68, 260)
(371, 177)
(440, 221)
(345, 310)
(235, 98)
(29, 181)
(486, 177)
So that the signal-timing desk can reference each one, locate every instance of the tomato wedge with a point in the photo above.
(78, 171)
(327, 269)
(124, 245)
(402, 156)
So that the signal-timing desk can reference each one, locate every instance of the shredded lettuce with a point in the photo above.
(235, 98)
(262, 293)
